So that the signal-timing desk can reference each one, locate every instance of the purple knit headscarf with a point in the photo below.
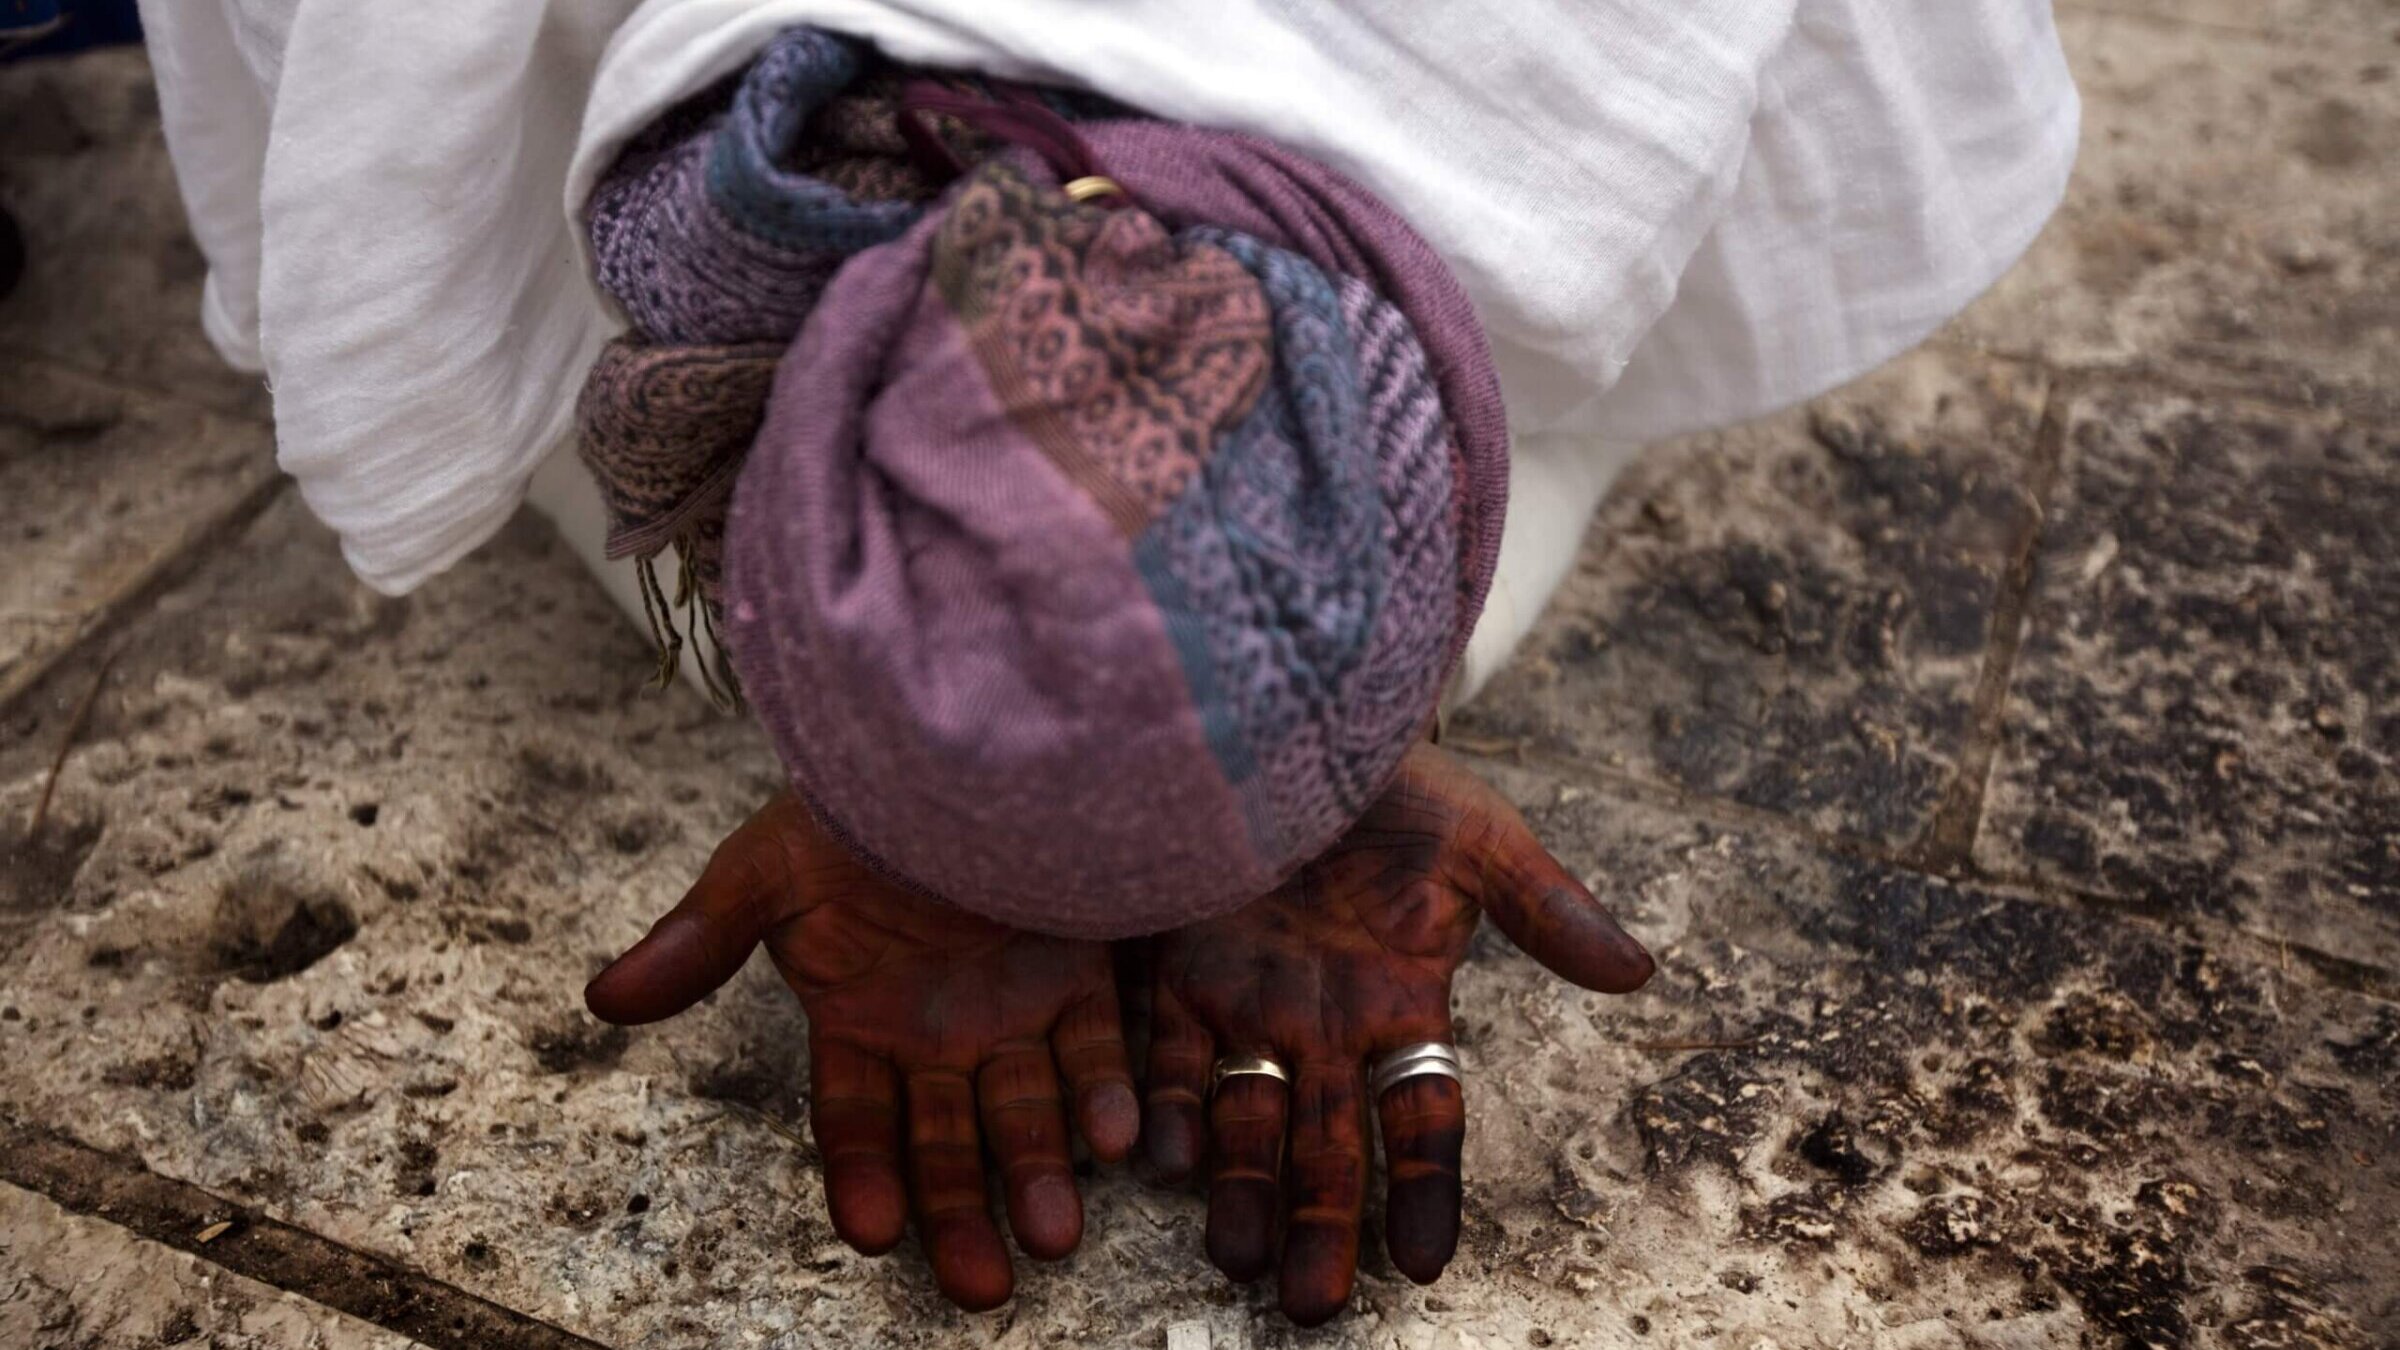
(1092, 563)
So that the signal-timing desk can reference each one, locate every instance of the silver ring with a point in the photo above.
(1424, 1059)
(1235, 1066)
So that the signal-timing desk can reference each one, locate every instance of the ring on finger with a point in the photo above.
(1424, 1059)
(1235, 1066)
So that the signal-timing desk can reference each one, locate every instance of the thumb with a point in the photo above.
(701, 943)
(1550, 915)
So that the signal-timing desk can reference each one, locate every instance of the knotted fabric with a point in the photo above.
(1091, 557)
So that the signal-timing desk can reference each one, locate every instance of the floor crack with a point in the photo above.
(224, 1233)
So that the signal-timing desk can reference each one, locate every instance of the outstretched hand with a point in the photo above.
(1348, 961)
(932, 1035)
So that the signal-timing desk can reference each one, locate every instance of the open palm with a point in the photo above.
(933, 1035)
(1348, 961)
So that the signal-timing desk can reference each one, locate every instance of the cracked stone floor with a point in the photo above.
(2002, 754)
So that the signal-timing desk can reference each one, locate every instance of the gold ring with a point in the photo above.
(1084, 189)
(1234, 1066)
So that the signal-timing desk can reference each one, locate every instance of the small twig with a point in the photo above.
(1486, 747)
(66, 744)
(745, 1109)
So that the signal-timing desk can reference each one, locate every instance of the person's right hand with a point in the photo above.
(915, 1010)
(1348, 961)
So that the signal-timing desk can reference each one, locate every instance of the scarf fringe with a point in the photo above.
(699, 620)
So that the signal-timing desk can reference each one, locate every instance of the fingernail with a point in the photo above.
(969, 1264)
(632, 987)
(1171, 1143)
(1639, 955)
(1112, 1120)
(1241, 1229)
(1316, 1287)
(1052, 1224)
(1421, 1227)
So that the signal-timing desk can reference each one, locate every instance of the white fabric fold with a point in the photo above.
(1670, 215)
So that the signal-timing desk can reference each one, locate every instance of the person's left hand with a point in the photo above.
(1349, 961)
(912, 1005)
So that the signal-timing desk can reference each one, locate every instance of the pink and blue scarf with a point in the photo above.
(1093, 507)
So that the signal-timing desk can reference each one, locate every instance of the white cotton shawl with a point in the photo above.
(1671, 214)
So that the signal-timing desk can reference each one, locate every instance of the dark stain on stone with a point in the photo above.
(638, 833)
(2299, 1118)
(2335, 135)
(555, 770)
(2103, 1106)
(2179, 1207)
(41, 120)
(1977, 1101)
(2289, 1311)
(401, 889)
(1902, 920)
(1946, 1225)
(1575, 1200)
(2374, 1053)
(159, 1073)
(1944, 522)
(65, 414)
(514, 931)
(2209, 661)
(1807, 1218)
(1820, 664)
(412, 1174)
(2131, 1281)
(2068, 843)
(39, 872)
(1713, 1109)
(272, 923)
(580, 1044)
(221, 802)
(1832, 1146)
(2167, 1094)
(2094, 1024)
(743, 1082)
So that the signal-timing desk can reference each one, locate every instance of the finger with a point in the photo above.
(854, 1110)
(1173, 1131)
(703, 941)
(1551, 916)
(1424, 1132)
(1027, 1132)
(1245, 1123)
(1328, 1188)
(945, 1168)
(1090, 1045)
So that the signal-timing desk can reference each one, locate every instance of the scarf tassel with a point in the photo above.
(699, 620)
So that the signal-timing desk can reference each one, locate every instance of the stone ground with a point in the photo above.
(2002, 754)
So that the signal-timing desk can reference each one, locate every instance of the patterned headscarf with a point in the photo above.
(1099, 546)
